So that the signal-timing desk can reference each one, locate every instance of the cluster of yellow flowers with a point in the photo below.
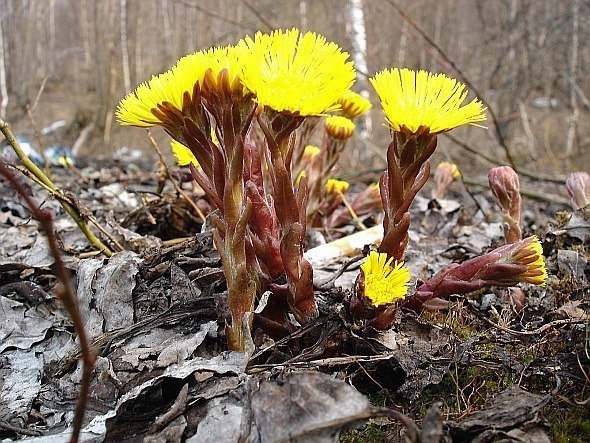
(286, 71)
(300, 75)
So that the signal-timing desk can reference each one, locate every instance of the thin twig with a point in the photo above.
(358, 222)
(17, 430)
(174, 183)
(495, 162)
(65, 294)
(71, 210)
(69, 199)
(537, 331)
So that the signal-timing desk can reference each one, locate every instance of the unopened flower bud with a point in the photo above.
(578, 188)
(309, 153)
(506, 266)
(505, 185)
(335, 186)
(353, 104)
(444, 174)
(339, 127)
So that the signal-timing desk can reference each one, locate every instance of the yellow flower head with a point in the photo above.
(339, 127)
(418, 100)
(529, 253)
(334, 186)
(309, 153)
(171, 86)
(226, 58)
(384, 283)
(184, 156)
(136, 108)
(353, 104)
(295, 73)
(448, 168)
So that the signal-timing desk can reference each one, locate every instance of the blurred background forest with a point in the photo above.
(529, 60)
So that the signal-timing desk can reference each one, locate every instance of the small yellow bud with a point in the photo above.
(339, 127)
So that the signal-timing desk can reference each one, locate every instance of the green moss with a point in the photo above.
(371, 433)
(457, 319)
(570, 425)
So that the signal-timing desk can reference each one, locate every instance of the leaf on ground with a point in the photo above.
(105, 292)
(309, 406)
(20, 382)
(20, 327)
(512, 409)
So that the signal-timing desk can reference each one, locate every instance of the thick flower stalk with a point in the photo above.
(380, 286)
(293, 76)
(578, 188)
(204, 91)
(504, 266)
(444, 174)
(417, 105)
(505, 186)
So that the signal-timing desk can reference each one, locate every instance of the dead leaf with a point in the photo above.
(310, 407)
(20, 327)
(511, 409)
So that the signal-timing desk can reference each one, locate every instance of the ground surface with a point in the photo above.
(494, 366)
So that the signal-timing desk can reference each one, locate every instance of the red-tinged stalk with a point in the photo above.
(504, 266)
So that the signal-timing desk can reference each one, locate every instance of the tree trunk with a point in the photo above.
(3, 87)
(571, 135)
(124, 48)
(303, 14)
(359, 55)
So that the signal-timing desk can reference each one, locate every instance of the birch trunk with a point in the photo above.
(359, 54)
(3, 87)
(51, 53)
(303, 14)
(124, 48)
(571, 135)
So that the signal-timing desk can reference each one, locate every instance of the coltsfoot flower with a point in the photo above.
(384, 281)
(176, 87)
(335, 186)
(416, 101)
(529, 255)
(294, 73)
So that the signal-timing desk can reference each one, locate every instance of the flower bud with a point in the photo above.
(505, 185)
(444, 174)
(578, 188)
(339, 127)
(334, 186)
(353, 104)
